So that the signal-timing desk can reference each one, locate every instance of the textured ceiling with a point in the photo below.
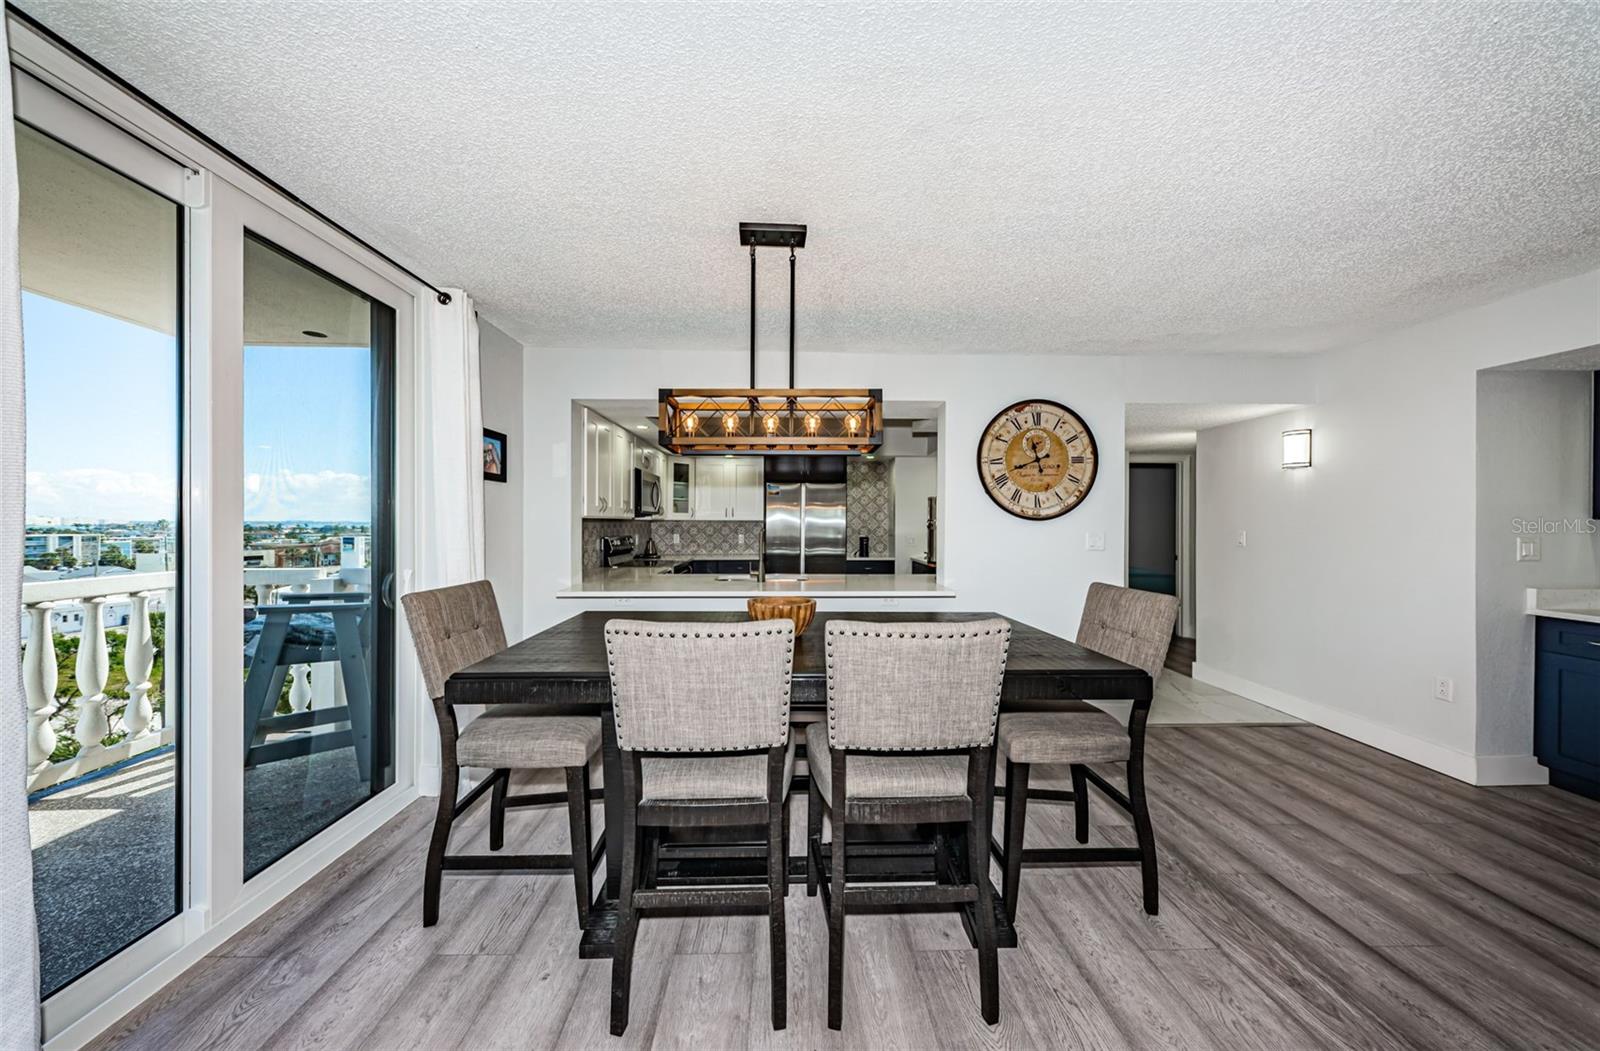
(980, 177)
(1174, 428)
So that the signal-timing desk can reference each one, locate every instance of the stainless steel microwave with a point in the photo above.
(646, 493)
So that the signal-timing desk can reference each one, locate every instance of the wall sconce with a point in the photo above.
(1297, 448)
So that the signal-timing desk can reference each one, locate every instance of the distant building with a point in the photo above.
(83, 547)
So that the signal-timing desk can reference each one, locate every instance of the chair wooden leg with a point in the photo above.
(578, 837)
(813, 836)
(627, 917)
(449, 782)
(786, 825)
(836, 914)
(497, 809)
(1080, 803)
(977, 851)
(1146, 835)
(777, 882)
(1016, 822)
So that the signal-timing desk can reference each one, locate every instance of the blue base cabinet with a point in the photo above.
(1566, 707)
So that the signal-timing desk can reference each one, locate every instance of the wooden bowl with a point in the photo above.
(799, 610)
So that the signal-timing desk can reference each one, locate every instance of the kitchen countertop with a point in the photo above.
(661, 582)
(1565, 603)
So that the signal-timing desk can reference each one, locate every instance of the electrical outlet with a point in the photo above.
(677, 538)
(1242, 539)
(1444, 690)
(741, 541)
(1094, 541)
(1527, 549)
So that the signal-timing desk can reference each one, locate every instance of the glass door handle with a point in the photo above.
(387, 590)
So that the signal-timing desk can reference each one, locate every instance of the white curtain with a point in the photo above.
(19, 933)
(450, 549)
(450, 468)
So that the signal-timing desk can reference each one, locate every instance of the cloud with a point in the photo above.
(86, 494)
(311, 495)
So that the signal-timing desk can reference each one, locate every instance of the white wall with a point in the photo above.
(1533, 464)
(1035, 572)
(915, 479)
(1357, 587)
(500, 374)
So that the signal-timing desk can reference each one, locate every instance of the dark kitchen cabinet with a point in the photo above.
(1566, 731)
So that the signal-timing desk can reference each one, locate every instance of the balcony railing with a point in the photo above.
(92, 716)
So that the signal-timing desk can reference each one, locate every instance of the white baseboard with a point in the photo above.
(279, 882)
(1511, 770)
(1474, 770)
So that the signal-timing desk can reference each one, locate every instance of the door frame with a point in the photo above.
(220, 198)
(1184, 462)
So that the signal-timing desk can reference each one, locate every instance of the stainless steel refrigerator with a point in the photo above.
(805, 515)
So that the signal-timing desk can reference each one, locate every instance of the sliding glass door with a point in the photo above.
(317, 549)
(101, 268)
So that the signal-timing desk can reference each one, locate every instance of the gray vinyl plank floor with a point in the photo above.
(1315, 893)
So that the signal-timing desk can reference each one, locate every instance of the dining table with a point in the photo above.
(563, 670)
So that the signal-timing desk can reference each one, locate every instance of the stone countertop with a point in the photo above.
(661, 582)
(1565, 603)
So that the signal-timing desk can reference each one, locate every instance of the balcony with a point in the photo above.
(102, 770)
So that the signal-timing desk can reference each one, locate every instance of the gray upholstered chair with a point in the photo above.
(702, 718)
(1134, 627)
(456, 626)
(909, 740)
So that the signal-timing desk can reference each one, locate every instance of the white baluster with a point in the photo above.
(299, 687)
(168, 677)
(138, 658)
(91, 671)
(39, 683)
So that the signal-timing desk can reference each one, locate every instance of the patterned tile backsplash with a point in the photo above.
(679, 536)
(595, 528)
(870, 506)
(687, 536)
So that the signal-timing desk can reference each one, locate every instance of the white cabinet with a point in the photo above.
(679, 482)
(749, 489)
(621, 473)
(608, 459)
(710, 489)
(730, 488)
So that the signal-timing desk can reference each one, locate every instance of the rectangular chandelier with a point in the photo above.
(702, 422)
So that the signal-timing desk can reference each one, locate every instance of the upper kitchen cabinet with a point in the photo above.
(729, 488)
(679, 481)
(608, 459)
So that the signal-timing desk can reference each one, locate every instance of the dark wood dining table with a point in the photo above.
(563, 669)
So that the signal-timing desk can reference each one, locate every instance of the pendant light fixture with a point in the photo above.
(789, 420)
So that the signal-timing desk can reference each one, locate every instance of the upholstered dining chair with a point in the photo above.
(456, 626)
(908, 740)
(702, 721)
(1134, 627)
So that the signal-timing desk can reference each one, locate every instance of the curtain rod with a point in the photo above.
(98, 67)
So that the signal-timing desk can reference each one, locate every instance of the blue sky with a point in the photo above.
(103, 431)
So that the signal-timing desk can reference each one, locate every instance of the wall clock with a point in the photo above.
(1037, 459)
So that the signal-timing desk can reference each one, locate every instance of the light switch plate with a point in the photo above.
(1242, 538)
(1094, 541)
(1527, 549)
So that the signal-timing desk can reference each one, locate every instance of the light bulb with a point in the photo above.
(690, 422)
(730, 423)
(851, 423)
(772, 425)
(812, 423)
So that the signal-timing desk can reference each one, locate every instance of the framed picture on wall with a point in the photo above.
(494, 455)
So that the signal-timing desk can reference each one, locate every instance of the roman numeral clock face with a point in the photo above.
(1037, 459)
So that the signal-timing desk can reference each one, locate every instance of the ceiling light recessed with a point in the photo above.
(313, 333)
